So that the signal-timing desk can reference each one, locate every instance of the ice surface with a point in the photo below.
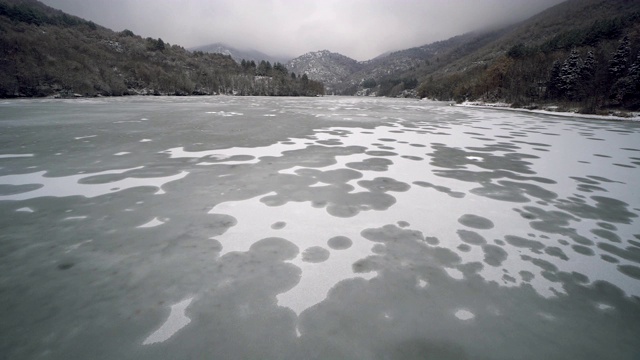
(342, 227)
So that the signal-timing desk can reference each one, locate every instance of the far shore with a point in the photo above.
(549, 110)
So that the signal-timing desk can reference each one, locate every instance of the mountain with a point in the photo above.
(343, 75)
(239, 55)
(46, 52)
(400, 70)
(327, 67)
(580, 54)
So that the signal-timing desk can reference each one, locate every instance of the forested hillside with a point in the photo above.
(238, 55)
(332, 69)
(46, 52)
(580, 54)
(398, 73)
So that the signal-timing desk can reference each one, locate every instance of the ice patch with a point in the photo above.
(454, 273)
(546, 316)
(176, 321)
(71, 186)
(145, 140)
(153, 223)
(25, 209)
(75, 218)
(604, 307)
(463, 314)
(8, 156)
(224, 113)
(274, 150)
(254, 222)
(76, 246)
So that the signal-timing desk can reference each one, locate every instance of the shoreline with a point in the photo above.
(505, 106)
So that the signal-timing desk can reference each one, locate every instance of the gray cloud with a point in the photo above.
(361, 29)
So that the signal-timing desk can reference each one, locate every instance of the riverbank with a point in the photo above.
(553, 110)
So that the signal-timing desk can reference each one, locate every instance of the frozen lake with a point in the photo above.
(315, 228)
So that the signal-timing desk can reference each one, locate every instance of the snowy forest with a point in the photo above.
(49, 53)
(586, 68)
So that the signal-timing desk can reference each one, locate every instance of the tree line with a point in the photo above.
(276, 80)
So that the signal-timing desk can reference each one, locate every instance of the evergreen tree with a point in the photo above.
(280, 68)
(586, 88)
(263, 69)
(570, 75)
(634, 89)
(588, 69)
(554, 86)
(626, 90)
(618, 65)
(634, 69)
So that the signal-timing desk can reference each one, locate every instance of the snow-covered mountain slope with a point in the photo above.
(237, 54)
(330, 68)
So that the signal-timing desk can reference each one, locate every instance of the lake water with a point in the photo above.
(336, 227)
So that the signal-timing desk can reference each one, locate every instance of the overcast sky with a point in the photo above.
(360, 29)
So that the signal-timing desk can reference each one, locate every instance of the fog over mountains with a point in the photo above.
(583, 54)
(359, 29)
(238, 54)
